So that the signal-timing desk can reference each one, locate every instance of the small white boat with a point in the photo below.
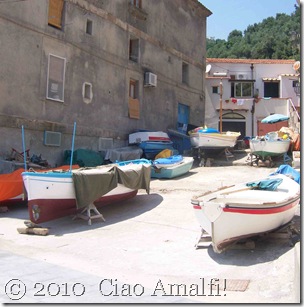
(208, 138)
(171, 170)
(269, 146)
(55, 194)
(248, 209)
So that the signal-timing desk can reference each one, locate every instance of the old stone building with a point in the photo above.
(110, 66)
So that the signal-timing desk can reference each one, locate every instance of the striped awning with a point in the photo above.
(271, 79)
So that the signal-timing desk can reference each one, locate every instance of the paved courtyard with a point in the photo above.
(145, 253)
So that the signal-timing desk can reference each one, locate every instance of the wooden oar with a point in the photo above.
(209, 192)
(239, 190)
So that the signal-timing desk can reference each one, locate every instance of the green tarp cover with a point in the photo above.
(84, 158)
(92, 183)
(267, 184)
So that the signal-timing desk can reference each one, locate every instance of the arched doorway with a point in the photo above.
(233, 121)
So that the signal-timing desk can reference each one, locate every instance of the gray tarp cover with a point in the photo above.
(92, 183)
(124, 153)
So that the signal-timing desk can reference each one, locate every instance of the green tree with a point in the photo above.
(274, 38)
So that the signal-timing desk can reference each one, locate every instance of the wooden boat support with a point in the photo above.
(204, 240)
(86, 214)
(206, 155)
(33, 229)
(287, 234)
(256, 160)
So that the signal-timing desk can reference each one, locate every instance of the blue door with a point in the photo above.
(183, 117)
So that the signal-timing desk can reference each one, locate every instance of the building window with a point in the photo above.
(271, 89)
(133, 99)
(185, 73)
(87, 92)
(55, 78)
(215, 90)
(134, 49)
(89, 27)
(241, 89)
(55, 13)
(136, 3)
(133, 89)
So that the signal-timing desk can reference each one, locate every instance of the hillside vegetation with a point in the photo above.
(273, 38)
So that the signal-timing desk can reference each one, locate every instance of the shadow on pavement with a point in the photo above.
(112, 214)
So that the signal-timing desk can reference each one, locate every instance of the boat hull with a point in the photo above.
(172, 171)
(268, 148)
(52, 195)
(235, 213)
(11, 186)
(47, 209)
(17, 200)
(151, 148)
(214, 140)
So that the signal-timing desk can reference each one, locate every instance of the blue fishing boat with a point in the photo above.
(168, 168)
(152, 148)
(151, 142)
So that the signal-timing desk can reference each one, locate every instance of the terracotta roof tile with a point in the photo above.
(249, 61)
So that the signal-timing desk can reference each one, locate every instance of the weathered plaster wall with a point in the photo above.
(100, 59)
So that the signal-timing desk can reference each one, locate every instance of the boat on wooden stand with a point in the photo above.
(247, 209)
(268, 146)
(209, 138)
(55, 194)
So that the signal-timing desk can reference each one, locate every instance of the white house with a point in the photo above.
(244, 91)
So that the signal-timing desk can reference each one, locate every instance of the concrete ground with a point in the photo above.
(145, 252)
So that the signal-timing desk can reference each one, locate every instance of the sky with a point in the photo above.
(229, 15)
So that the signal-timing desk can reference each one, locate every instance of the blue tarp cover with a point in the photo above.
(289, 171)
(169, 160)
(208, 130)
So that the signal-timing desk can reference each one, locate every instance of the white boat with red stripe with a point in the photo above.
(245, 210)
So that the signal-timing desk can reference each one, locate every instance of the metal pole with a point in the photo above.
(24, 152)
(221, 106)
(71, 162)
(253, 102)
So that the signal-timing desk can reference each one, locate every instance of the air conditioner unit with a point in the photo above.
(52, 138)
(220, 74)
(242, 76)
(150, 79)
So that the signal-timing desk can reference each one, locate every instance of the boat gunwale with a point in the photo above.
(66, 174)
(262, 206)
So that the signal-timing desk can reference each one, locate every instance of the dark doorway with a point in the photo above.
(236, 127)
(233, 121)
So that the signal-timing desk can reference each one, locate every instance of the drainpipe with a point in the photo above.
(253, 102)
